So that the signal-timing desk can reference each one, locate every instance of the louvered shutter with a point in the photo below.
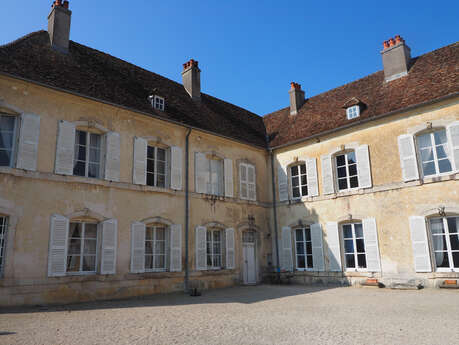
(139, 173)
(328, 184)
(453, 133)
(176, 248)
(282, 180)
(334, 250)
(112, 156)
(363, 166)
(370, 235)
(28, 142)
(176, 168)
(252, 182)
(420, 244)
(243, 185)
(65, 148)
(57, 257)
(201, 172)
(230, 260)
(317, 247)
(201, 248)
(228, 174)
(313, 183)
(287, 260)
(408, 160)
(109, 245)
(137, 247)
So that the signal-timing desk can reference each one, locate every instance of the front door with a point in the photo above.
(249, 265)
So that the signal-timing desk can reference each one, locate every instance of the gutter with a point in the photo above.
(187, 208)
(276, 238)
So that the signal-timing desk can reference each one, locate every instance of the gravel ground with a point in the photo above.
(246, 315)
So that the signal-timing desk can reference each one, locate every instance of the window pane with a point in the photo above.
(94, 155)
(95, 141)
(303, 180)
(161, 181)
(354, 182)
(148, 247)
(453, 224)
(342, 184)
(150, 179)
(444, 165)
(441, 152)
(216, 235)
(294, 170)
(347, 231)
(358, 230)
(161, 166)
(428, 168)
(303, 168)
(304, 190)
(360, 245)
(90, 231)
(308, 247)
(436, 226)
(159, 261)
(351, 158)
(309, 260)
(89, 247)
(308, 234)
(296, 192)
(217, 261)
(427, 154)
(151, 152)
(244, 190)
(160, 247)
(149, 234)
(79, 169)
(75, 230)
(362, 261)
(350, 261)
(301, 261)
(441, 259)
(148, 262)
(89, 263)
(440, 137)
(80, 152)
(299, 235)
(73, 263)
(5, 158)
(161, 154)
(93, 170)
(439, 242)
(295, 181)
(160, 234)
(209, 260)
(454, 240)
(7, 123)
(300, 248)
(74, 246)
(353, 170)
(424, 140)
(342, 172)
(340, 160)
(6, 140)
(456, 259)
(348, 246)
(80, 137)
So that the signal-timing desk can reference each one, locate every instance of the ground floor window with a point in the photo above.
(82, 248)
(354, 246)
(155, 248)
(445, 242)
(3, 229)
(303, 247)
(214, 240)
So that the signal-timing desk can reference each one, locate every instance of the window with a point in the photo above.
(445, 242)
(247, 180)
(214, 249)
(346, 171)
(159, 103)
(354, 246)
(299, 180)
(434, 153)
(303, 246)
(155, 248)
(87, 154)
(7, 139)
(353, 112)
(156, 167)
(215, 184)
(82, 248)
(3, 229)
(248, 236)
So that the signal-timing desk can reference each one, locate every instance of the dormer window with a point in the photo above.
(353, 112)
(157, 102)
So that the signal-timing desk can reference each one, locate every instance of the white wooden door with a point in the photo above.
(250, 272)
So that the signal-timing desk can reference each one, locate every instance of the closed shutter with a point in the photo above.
(28, 142)
(57, 257)
(453, 133)
(230, 248)
(363, 166)
(408, 160)
(176, 168)
(420, 244)
(328, 184)
(201, 248)
(252, 182)
(137, 247)
(282, 179)
(370, 235)
(109, 246)
(287, 260)
(176, 248)
(334, 250)
(65, 148)
(243, 178)
(112, 156)
(139, 173)
(228, 172)
(313, 183)
(317, 247)
(201, 172)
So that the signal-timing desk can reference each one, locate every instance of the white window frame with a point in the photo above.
(449, 251)
(353, 112)
(3, 235)
(220, 179)
(155, 173)
(299, 164)
(15, 139)
(305, 254)
(348, 177)
(434, 151)
(356, 253)
(154, 241)
(158, 103)
(82, 239)
(212, 254)
(88, 152)
(246, 182)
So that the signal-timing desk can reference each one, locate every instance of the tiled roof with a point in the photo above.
(92, 73)
(431, 76)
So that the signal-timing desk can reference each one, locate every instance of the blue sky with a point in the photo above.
(248, 51)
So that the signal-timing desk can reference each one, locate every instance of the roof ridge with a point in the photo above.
(9, 44)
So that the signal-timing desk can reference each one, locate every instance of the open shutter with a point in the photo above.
(201, 172)
(363, 166)
(139, 173)
(176, 168)
(370, 235)
(287, 260)
(230, 248)
(228, 172)
(453, 133)
(65, 148)
(252, 182)
(328, 184)
(176, 248)
(317, 247)
(243, 185)
(112, 156)
(201, 248)
(282, 180)
(137, 247)
(28, 142)
(57, 257)
(313, 184)
(420, 244)
(109, 246)
(408, 160)
(334, 250)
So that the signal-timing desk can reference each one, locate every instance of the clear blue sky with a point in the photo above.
(249, 51)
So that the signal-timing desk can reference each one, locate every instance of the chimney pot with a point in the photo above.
(396, 57)
(191, 78)
(296, 98)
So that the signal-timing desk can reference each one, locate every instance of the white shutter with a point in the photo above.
(112, 156)
(363, 166)
(201, 248)
(176, 248)
(230, 264)
(334, 250)
(243, 185)
(176, 168)
(370, 235)
(65, 148)
(328, 184)
(252, 182)
(28, 142)
(313, 184)
(137, 247)
(109, 246)
(282, 179)
(420, 244)
(408, 160)
(228, 172)
(317, 247)
(139, 173)
(57, 257)
(287, 260)
(453, 133)
(201, 172)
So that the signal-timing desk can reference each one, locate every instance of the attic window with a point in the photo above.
(157, 102)
(353, 112)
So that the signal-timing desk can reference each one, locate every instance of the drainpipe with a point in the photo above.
(275, 215)
(187, 206)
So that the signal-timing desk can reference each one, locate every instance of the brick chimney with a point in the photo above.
(396, 56)
(191, 78)
(296, 98)
(59, 25)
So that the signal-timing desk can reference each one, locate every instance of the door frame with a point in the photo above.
(254, 244)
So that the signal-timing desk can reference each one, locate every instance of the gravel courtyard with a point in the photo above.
(246, 315)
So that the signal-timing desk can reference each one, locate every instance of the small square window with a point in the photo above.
(353, 112)
(158, 103)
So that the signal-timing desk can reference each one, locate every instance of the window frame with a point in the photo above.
(348, 176)
(153, 241)
(355, 252)
(354, 109)
(247, 184)
(306, 254)
(4, 224)
(159, 103)
(155, 173)
(82, 240)
(419, 161)
(213, 267)
(101, 149)
(449, 251)
(14, 144)
(290, 179)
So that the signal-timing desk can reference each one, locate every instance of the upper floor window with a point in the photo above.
(354, 246)
(353, 112)
(247, 181)
(87, 161)
(445, 243)
(155, 247)
(346, 171)
(434, 153)
(7, 139)
(157, 102)
(82, 248)
(299, 181)
(3, 230)
(214, 241)
(156, 166)
(303, 248)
